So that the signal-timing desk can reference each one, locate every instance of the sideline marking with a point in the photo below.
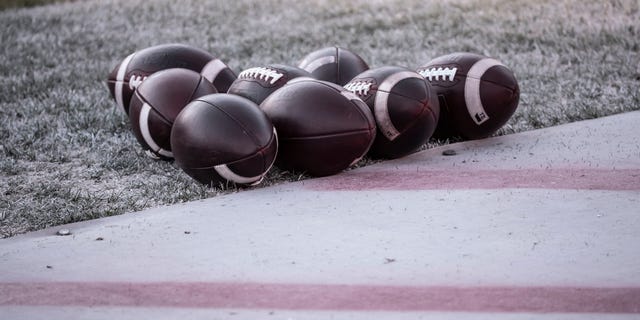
(323, 297)
(404, 179)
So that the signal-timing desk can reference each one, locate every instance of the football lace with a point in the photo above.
(360, 88)
(261, 73)
(434, 74)
(135, 81)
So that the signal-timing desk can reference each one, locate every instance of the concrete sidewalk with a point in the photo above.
(538, 225)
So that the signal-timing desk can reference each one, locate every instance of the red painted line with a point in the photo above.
(403, 179)
(323, 297)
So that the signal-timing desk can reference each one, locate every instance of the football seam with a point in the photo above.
(433, 113)
(487, 81)
(252, 135)
(375, 91)
(154, 109)
(394, 93)
(464, 75)
(196, 89)
(259, 150)
(267, 166)
(418, 117)
(361, 112)
(150, 141)
(422, 110)
(492, 82)
(329, 135)
(337, 79)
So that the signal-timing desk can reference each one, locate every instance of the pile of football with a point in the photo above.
(319, 117)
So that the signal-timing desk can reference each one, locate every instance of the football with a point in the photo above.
(157, 102)
(404, 107)
(220, 138)
(257, 83)
(322, 128)
(333, 64)
(477, 94)
(136, 67)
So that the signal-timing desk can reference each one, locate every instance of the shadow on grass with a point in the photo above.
(8, 4)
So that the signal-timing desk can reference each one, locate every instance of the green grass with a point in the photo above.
(66, 151)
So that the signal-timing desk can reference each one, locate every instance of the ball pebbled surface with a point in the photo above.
(158, 101)
(334, 64)
(405, 109)
(223, 138)
(477, 94)
(136, 67)
(322, 127)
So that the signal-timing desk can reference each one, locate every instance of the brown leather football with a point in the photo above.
(322, 128)
(223, 138)
(334, 64)
(404, 106)
(136, 67)
(257, 83)
(158, 101)
(477, 94)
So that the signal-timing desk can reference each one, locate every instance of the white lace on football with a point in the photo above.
(135, 81)
(360, 88)
(434, 74)
(261, 73)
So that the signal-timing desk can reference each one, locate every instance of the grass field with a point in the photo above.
(5, 4)
(66, 151)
